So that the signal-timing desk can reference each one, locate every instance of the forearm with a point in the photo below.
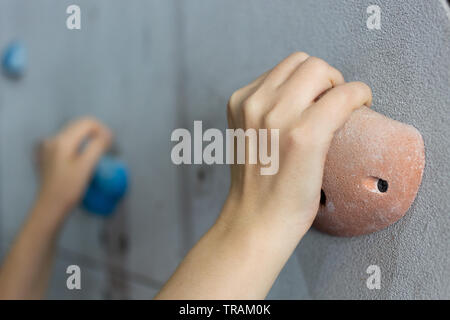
(233, 262)
(65, 170)
(26, 269)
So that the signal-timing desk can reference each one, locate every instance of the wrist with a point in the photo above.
(54, 198)
(252, 245)
(269, 228)
(51, 211)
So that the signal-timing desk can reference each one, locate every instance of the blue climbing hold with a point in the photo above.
(14, 60)
(108, 185)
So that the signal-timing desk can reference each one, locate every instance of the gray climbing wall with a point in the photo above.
(147, 67)
(228, 43)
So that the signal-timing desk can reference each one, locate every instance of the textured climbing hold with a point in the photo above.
(108, 185)
(14, 60)
(372, 174)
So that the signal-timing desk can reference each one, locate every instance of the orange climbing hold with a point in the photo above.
(372, 174)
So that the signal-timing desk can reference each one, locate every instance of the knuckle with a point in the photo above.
(250, 108)
(234, 98)
(363, 87)
(296, 137)
(338, 73)
(271, 120)
(344, 94)
(299, 55)
(320, 66)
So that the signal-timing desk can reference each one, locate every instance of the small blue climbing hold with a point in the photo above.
(107, 187)
(14, 60)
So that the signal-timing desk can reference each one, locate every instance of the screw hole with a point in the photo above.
(323, 198)
(382, 185)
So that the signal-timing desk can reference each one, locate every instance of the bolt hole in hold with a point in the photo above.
(375, 184)
(323, 198)
(382, 185)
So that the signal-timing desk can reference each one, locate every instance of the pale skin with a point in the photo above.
(65, 170)
(264, 217)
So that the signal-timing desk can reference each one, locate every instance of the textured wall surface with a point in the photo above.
(147, 67)
(228, 43)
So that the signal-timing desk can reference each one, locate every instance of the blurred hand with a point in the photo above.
(66, 164)
(67, 161)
